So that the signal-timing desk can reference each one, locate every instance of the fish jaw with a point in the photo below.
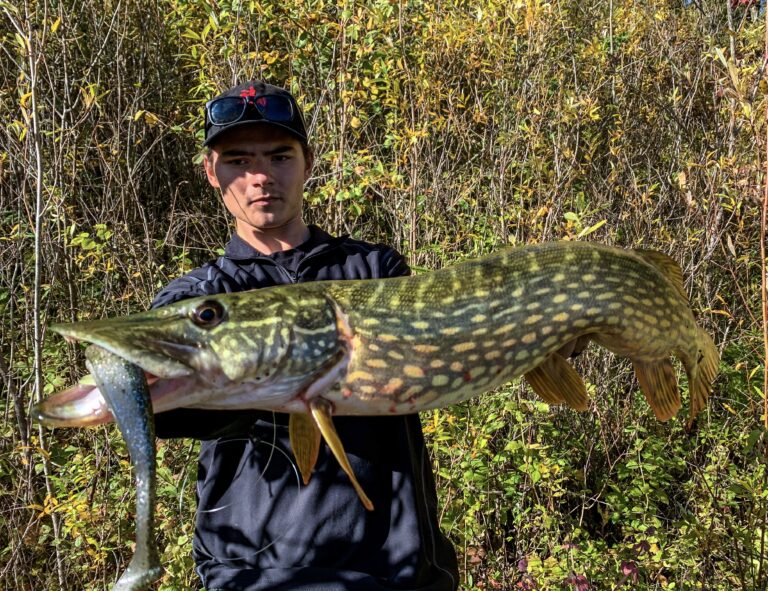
(82, 405)
(132, 340)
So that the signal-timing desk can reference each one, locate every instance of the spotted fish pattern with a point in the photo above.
(426, 341)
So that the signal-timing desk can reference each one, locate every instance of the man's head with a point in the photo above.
(259, 160)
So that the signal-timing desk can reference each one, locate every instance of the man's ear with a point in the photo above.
(209, 170)
(309, 161)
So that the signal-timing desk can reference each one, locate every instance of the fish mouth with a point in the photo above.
(83, 405)
(165, 365)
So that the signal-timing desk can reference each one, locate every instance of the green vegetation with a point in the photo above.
(448, 130)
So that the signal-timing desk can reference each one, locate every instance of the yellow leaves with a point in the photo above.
(22, 42)
(49, 506)
(88, 94)
(412, 136)
(736, 84)
(55, 25)
(25, 99)
(536, 13)
(270, 57)
(593, 228)
(150, 118)
(212, 25)
(190, 34)
(479, 116)
(436, 425)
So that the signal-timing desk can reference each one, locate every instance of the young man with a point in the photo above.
(257, 526)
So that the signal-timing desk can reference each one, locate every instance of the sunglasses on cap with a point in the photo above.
(231, 109)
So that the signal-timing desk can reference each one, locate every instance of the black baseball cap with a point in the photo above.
(252, 103)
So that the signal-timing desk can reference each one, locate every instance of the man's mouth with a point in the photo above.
(264, 200)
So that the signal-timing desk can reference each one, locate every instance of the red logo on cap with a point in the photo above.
(250, 92)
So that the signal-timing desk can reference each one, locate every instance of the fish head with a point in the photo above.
(198, 351)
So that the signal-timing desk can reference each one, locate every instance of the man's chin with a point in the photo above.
(273, 224)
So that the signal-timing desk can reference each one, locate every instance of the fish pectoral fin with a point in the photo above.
(556, 381)
(659, 384)
(321, 412)
(305, 443)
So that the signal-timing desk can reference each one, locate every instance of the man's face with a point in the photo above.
(260, 171)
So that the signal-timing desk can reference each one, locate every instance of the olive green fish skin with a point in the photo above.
(408, 344)
(124, 386)
(490, 320)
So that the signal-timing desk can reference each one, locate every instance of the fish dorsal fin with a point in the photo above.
(659, 384)
(668, 266)
(556, 381)
(305, 443)
(321, 412)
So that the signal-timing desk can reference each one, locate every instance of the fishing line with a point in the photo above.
(273, 447)
(185, 478)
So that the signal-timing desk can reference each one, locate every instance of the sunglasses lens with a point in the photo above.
(274, 108)
(226, 110)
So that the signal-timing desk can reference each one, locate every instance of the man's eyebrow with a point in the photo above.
(274, 151)
(237, 153)
(279, 150)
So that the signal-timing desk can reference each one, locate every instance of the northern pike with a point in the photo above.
(408, 344)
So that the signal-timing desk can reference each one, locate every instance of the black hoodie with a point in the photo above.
(258, 528)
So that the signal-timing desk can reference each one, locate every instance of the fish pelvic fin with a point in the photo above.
(305, 443)
(556, 381)
(702, 372)
(321, 412)
(668, 267)
(659, 384)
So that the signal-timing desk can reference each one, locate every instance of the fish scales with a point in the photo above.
(448, 342)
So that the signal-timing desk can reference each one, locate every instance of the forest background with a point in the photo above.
(448, 129)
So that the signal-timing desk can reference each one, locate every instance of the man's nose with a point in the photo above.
(259, 176)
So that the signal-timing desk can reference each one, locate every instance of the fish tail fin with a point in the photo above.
(556, 381)
(701, 372)
(659, 384)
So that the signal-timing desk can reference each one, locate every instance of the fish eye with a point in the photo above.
(208, 314)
